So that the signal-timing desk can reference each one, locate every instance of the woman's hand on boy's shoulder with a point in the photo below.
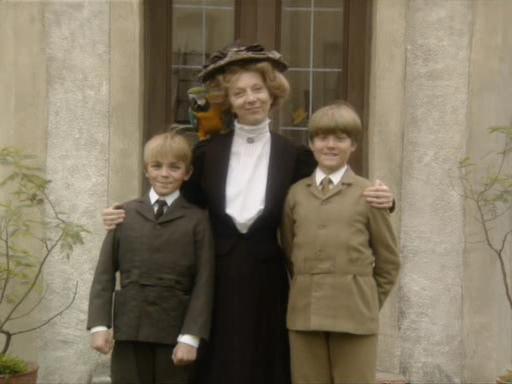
(184, 354)
(379, 195)
(112, 216)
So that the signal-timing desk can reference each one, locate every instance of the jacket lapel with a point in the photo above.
(346, 180)
(217, 165)
(145, 209)
(175, 211)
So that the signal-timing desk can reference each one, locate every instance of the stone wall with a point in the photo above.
(441, 75)
(71, 76)
(487, 318)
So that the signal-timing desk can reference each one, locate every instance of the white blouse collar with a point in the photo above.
(252, 133)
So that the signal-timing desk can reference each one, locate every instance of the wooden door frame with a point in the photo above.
(356, 76)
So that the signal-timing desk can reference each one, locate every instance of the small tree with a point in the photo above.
(31, 231)
(490, 192)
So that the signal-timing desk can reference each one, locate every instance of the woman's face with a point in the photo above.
(249, 98)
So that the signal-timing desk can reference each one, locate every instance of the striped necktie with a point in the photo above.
(326, 185)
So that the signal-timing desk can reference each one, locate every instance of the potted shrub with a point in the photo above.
(31, 231)
(489, 190)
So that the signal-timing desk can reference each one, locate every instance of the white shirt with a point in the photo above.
(335, 176)
(169, 199)
(153, 197)
(247, 174)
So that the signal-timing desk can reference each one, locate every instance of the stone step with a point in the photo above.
(390, 378)
(101, 375)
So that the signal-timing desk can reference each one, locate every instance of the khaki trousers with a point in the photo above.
(135, 362)
(332, 358)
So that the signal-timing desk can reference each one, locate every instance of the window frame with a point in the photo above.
(253, 23)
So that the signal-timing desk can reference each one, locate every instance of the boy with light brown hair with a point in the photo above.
(344, 258)
(164, 255)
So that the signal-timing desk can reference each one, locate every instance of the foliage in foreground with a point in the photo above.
(31, 231)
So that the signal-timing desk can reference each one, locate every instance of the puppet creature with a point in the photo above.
(206, 112)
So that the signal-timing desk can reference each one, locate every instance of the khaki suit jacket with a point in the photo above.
(166, 272)
(344, 257)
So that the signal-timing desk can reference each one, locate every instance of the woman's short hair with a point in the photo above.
(338, 117)
(168, 145)
(277, 85)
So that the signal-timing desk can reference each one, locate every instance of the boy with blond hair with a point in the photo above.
(163, 253)
(344, 259)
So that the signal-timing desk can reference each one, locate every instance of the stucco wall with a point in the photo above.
(23, 109)
(487, 318)
(70, 75)
(385, 133)
(441, 75)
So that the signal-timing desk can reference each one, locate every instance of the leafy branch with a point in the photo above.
(490, 193)
(31, 231)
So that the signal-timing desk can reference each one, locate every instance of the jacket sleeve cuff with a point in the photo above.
(189, 339)
(98, 328)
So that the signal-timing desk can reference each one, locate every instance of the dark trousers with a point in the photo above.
(135, 362)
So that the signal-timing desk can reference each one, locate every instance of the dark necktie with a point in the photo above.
(161, 204)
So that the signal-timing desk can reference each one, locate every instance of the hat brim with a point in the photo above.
(272, 57)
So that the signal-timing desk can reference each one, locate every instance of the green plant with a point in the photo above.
(31, 231)
(488, 187)
(10, 365)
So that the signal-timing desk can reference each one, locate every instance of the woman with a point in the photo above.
(242, 177)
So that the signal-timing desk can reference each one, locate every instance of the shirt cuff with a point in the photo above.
(189, 339)
(98, 328)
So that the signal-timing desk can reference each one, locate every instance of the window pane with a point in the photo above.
(182, 80)
(187, 42)
(199, 28)
(326, 88)
(329, 4)
(199, 3)
(296, 3)
(297, 135)
(295, 37)
(220, 27)
(317, 83)
(295, 111)
(328, 39)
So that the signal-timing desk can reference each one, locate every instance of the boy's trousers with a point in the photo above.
(135, 362)
(332, 358)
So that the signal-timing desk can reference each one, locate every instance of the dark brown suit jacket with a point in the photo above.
(166, 272)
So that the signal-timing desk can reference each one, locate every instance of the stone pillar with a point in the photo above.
(78, 67)
(385, 134)
(438, 37)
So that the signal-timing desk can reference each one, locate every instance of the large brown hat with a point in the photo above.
(239, 54)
